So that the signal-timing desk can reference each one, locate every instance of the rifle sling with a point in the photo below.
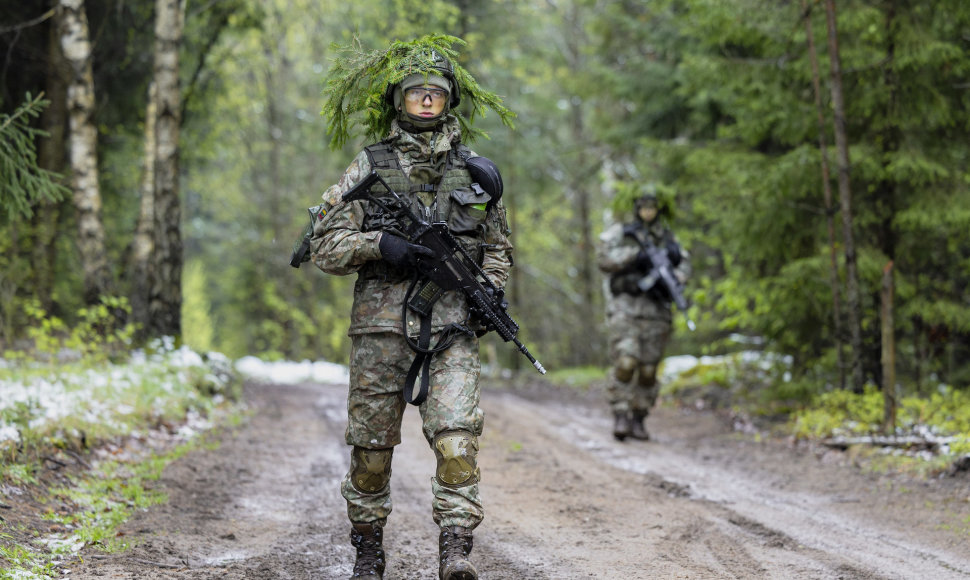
(422, 365)
(422, 348)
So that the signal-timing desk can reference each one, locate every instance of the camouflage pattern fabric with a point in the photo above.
(379, 363)
(380, 357)
(339, 246)
(639, 325)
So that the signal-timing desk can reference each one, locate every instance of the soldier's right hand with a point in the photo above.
(643, 261)
(401, 253)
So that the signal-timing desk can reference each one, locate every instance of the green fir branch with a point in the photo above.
(22, 183)
(358, 80)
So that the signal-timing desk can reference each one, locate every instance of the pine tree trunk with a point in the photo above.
(83, 139)
(888, 351)
(827, 193)
(143, 246)
(845, 201)
(165, 297)
(578, 176)
(889, 145)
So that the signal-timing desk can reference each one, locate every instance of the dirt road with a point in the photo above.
(563, 500)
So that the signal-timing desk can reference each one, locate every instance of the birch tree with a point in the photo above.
(143, 245)
(72, 26)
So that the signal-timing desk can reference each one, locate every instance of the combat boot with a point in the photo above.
(367, 538)
(637, 428)
(454, 545)
(621, 425)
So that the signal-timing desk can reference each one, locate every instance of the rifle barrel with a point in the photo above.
(538, 366)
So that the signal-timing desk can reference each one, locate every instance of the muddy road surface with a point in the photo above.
(563, 500)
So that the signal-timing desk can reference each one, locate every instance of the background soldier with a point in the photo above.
(422, 158)
(638, 321)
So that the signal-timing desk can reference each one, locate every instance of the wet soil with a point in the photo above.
(564, 500)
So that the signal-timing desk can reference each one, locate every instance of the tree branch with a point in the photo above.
(29, 23)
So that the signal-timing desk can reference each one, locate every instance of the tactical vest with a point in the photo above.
(454, 201)
(625, 281)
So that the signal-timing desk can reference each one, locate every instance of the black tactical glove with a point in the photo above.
(642, 261)
(673, 253)
(401, 253)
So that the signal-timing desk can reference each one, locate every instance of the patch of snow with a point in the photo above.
(293, 372)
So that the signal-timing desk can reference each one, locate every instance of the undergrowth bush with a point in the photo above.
(758, 385)
(70, 389)
(945, 414)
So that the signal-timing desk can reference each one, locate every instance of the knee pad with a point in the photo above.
(625, 367)
(648, 375)
(370, 469)
(457, 455)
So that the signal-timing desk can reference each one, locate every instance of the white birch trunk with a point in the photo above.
(83, 141)
(143, 246)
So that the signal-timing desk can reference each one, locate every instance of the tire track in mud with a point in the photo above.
(792, 532)
(563, 501)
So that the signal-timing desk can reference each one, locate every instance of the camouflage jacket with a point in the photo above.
(345, 240)
(616, 254)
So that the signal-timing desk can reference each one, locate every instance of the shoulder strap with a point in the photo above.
(382, 156)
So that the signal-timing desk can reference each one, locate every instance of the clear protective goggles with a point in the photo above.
(418, 94)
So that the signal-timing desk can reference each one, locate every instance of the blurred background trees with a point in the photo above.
(712, 103)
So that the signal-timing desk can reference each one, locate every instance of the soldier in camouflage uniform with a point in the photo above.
(638, 322)
(423, 159)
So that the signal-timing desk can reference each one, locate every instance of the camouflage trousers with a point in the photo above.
(636, 349)
(379, 364)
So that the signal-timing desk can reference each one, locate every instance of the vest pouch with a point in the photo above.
(625, 283)
(468, 209)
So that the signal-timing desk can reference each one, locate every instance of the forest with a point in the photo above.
(158, 159)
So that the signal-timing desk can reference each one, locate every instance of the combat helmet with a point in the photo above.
(440, 73)
(364, 88)
(646, 199)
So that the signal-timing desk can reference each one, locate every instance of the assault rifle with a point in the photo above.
(448, 268)
(662, 272)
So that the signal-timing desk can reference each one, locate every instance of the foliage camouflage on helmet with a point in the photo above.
(358, 80)
(628, 192)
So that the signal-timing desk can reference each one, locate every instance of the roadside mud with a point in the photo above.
(563, 500)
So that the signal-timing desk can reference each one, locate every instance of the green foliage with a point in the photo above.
(22, 182)
(107, 497)
(946, 413)
(357, 82)
(101, 332)
(841, 413)
(627, 192)
(715, 111)
(197, 323)
(22, 560)
(578, 377)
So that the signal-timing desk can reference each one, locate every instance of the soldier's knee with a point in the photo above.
(648, 375)
(457, 455)
(370, 469)
(625, 367)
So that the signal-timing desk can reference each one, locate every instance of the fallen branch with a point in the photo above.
(906, 442)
